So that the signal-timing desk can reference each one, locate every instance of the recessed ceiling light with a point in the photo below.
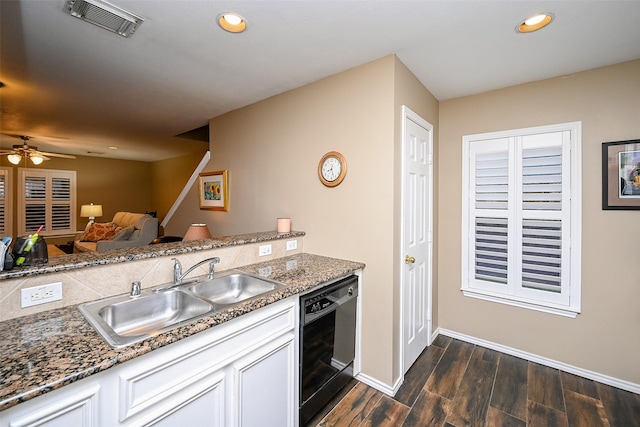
(232, 22)
(535, 23)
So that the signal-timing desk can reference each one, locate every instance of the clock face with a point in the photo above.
(332, 169)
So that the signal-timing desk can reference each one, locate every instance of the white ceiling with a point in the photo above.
(75, 87)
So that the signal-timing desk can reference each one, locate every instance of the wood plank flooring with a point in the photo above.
(455, 384)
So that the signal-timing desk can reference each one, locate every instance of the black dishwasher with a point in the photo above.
(327, 344)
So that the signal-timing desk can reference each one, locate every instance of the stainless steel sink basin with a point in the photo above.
(231, 288)
(125, 320)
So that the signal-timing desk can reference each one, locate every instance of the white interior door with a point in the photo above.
(417, 196)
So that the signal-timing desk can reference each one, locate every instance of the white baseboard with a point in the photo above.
(605, 379)
(380, 386)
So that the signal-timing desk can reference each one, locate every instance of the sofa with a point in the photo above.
(127, 229)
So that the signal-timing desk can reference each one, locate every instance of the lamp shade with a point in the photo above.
(197, 232)
(91, 210)
(14, 158)
(36, 159)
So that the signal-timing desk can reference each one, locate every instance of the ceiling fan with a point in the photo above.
(26, 151)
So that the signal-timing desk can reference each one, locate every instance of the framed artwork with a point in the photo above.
(214, 190)
(621, 175)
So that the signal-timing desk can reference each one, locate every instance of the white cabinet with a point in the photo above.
(240, 373)
(261, 380)
(74, 405)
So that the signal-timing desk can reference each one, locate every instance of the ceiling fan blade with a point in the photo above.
(14, 135)
(3, 152)
(64, 156)
(30, 137)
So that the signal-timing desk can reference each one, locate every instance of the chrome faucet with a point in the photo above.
(136, 289)
(178, 275)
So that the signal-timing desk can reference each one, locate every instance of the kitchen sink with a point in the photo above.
(124, 320)
(231, 288)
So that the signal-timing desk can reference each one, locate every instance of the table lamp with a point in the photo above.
(197, 232)
(91, 211)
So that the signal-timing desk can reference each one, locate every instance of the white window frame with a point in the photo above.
(567, 302)
(48, 174)
(7, 226)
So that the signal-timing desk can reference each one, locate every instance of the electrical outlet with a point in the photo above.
(40, 294)
(292, 244)
(264, 250)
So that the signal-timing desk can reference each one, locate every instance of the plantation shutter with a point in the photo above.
(519, 216)
(61, 204)
(48, 200)
(491, 208)
(35, 203)
(545, 203)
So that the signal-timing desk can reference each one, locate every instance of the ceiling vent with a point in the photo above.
(105, 15)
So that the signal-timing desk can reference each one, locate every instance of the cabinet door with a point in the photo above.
(264, 384)
(204, 409)
(71, 406)
(152, 397)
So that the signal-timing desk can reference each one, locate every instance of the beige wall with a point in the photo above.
(115, 184)
(605, 337)
(410, 92)
(272, 149)
(169, 178)
(122, 185)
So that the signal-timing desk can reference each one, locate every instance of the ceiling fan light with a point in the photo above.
(14, 158)
(36, 159)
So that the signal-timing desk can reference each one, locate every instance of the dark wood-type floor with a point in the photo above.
(454, 383)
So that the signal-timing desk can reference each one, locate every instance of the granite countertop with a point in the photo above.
(46, 351)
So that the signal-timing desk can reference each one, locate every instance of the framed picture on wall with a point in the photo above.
(621, 175)
(214, 190)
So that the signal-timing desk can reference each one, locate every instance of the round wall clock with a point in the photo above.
(332, 169)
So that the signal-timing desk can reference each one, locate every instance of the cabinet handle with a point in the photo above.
(409, 259)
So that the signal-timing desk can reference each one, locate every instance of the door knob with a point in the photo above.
(409, 259)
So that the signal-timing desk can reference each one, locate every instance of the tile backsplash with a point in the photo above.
(92, 283)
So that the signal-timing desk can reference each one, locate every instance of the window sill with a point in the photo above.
(551, 309)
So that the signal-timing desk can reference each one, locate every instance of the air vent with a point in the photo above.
(105, 15)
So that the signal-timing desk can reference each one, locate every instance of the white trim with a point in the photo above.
(595, 376)
(8, 200)
(357, 361)
(545, 307)
(187, 187)
(568, 301)
(48, 202)
(378, 385)
(408, 114)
